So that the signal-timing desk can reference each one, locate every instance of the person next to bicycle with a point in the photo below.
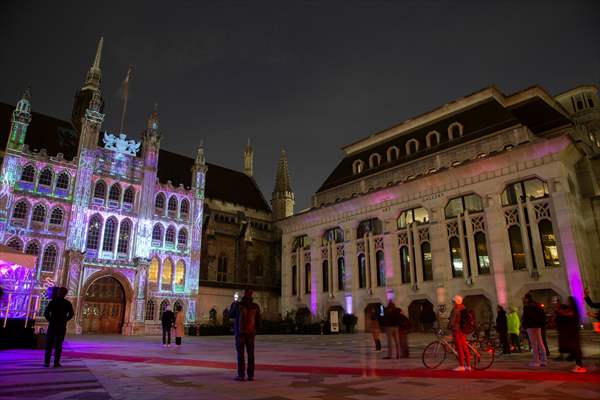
(460, 338)
(502, 329)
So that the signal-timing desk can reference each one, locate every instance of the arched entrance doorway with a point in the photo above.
(421, 315)
(482, 307)
(103, 307)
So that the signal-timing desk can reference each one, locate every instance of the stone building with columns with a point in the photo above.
(490, 196)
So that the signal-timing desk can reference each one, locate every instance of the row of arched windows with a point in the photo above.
(46, 177)
(114, 194)
(39, 213)
(108, 232)
(172, 206)
(341, 276)
(172, 277)
(411, 146)
(49, 256)
(169, 236)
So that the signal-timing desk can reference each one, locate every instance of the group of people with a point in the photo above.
(396, 326)
(172, 322)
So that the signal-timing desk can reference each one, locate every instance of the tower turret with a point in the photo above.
(198, 183)
(21, 117)
(93, 79)
(283, 195)
(248, 159)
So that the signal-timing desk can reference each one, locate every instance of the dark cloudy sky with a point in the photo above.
(308, 76)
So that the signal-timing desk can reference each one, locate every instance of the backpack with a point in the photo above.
(467, 321)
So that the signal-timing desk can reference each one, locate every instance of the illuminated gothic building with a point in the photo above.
(489, 196)
(120, 223)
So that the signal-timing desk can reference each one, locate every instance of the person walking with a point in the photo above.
(58, 312)
(168, 320)
(403, 328)
(457, 320)
(502, 329)
(533, 322)
(375, 326)
(391, 322)
(246, 319)
(568, 332)
(514, 329)
(179, 321)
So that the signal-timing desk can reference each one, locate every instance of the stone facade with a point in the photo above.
(490, 197)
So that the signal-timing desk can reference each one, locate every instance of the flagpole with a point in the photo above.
(125, 97)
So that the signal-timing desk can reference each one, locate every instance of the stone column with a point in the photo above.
(411, 256)
(418, 259)
(391, 272)
(536, 243)
(525, 237)
(350, 260)
(471, 245)
(463, 247)
(371, 261)
(499, 251)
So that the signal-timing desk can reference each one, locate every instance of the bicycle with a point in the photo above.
(434, 354)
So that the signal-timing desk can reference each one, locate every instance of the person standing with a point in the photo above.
(179, 321)
(514, 328)
(58, 312)
(460, 338)
(392, 323)
(246, 319)
(533, 321)
(502, 329)
(568, 332)
(168, 320)
(403, 328)
(375, 326)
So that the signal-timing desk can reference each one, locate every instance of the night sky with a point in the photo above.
(309, 77)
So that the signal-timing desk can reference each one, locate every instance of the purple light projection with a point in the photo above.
(18, 282)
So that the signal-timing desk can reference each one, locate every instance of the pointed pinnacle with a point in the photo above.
(27, 93)
(98, 54)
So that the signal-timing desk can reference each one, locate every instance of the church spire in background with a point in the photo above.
(283, 196)
(248, 159)
(91, 86)
(94, 75)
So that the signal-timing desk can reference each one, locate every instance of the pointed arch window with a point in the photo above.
(33, 248)
(362, 271)
(427, 261)
(153, 272)
(374, 160)
(62, 182)
(432, 139)
(15, 244)
(93, 235)
(483, 259)
(114, 194)
(159, 203)
(21, 209)
(182, 237)
(157, 235)
(358, 167)
(129, 195)
(167, 275)
(516, 248)
(149, 313)
(45, 177)
(170, 235)
(172, 206)
(124, 235)
(56, 217)
(341, 269)
(456, 257)
(28, 173)
(307, 278)
(222, 268)
(39, 214)
(294, 280)
(548, 240)
(405, 264)
(412, 146)
(393, 154)
(108, 244)
(99, 192)
(184, 209)
(180, 275)
(49, 259)
(325, 279)
(380, 259)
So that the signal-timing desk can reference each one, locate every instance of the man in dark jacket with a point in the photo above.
(502, 329)
(246, 318)
(533, 321)
(391, 319)
(58, 312)
(168, 320)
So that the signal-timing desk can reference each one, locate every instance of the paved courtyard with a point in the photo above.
(288, 367)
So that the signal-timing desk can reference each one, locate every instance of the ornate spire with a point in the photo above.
(98, 58)
(23, 108)
(94, 75)
(282, 182)
(200, 160)
(248, 159)
(153, 119)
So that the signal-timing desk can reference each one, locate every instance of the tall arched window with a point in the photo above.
(108, 244)
(129, 195)
(49, 259)
(222, 268)
(114, 194)
(124, 235)
(15, 244)
(549, 248)
(357, 167)
(180, 275)
(45, 177)
(157, 234)
(362, 271)
(307, 278)
(325, 276)
(456, 257)
(93, 234)
(516, 248)
(417, 216)
(172, 206)
(62, 182)
(163, 306)
(374, 160)
(380, 259)
(100, 191)
(404, 264)
(184, 209)
(28, 173)
(455, 130)
(432, 139)
(182, 237)
(170, 235)
(39, 214)
(153, 271)
(167, 275)
(294, 280)
(426, 261)
(21, 209)
(412, 146)
(341, 269)
(159, 203)
(393, 154)
(483, 260)
(56, 217)
(149, 314)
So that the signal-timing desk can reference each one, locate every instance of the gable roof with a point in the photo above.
(59, 136)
